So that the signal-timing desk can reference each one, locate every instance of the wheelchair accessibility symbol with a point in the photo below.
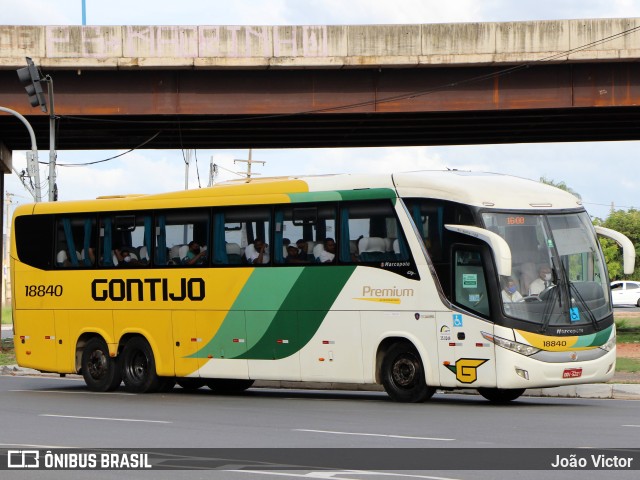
(575, 314)
(457, 320)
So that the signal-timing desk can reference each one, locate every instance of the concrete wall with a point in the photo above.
(320, 46)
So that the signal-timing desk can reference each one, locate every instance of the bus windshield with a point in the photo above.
(558, 275)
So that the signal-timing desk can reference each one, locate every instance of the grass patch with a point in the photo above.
(631, 365)
(7, 354)
(626, 337)
(627, 321)
(628, 329)
(6, 316)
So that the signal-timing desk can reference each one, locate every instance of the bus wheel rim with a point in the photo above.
(139, 366)
(97, 364)
(404, 371)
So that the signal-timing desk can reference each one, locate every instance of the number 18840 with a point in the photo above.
(43, 290)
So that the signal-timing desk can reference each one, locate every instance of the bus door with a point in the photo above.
(467, 359)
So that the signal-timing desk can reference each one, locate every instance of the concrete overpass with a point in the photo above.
(314, 86)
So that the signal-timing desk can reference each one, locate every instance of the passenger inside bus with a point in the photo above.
(257, 252)
(195, 255)
(510, 292)
(325, 252)
(125, 257)
(294, 255)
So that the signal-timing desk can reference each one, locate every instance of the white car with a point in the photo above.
(625, 293)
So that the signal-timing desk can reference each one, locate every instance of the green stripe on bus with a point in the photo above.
(595, 339)
(260, 298)
(363, 194)
(301, 313)
(368, 194)
(277, 311)
(314, 197)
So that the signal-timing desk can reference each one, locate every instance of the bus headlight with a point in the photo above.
(610, 345)
(521, 348)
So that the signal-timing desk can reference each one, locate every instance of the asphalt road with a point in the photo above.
(47, 413)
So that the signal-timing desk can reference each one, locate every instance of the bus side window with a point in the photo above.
(34, 240)
(236, 231)
(370, 233)
(470, 287)
(125, 240)
(75, 242)
(182, 238)
(300, 232)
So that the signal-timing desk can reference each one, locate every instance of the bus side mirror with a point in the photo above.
(499, 247)
(628, 250)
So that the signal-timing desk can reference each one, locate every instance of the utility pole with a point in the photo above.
(249, 163)
(6, 287)
(53, 189)
(187, 160)
(213, 172)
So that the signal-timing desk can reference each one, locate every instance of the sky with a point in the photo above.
(602, 173)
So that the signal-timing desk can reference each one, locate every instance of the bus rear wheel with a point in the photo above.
(225, 385)
(139, 367)
(99, 370)
(501, 395)
(403, 375)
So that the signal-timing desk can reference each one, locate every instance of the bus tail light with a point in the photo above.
(521, 348)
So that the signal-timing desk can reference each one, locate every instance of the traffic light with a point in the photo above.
(30, 80)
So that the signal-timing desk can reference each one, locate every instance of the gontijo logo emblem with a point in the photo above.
(466, 369)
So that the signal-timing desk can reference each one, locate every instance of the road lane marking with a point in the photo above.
(104, 418)
(41, 377)
(332, 474)
(405, 437)
(74, 393)
(631, 425)
(27, 445)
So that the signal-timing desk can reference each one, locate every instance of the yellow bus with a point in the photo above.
(417, 281)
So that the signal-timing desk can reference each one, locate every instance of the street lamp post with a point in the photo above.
(32, 156)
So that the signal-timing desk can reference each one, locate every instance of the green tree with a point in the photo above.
(560, 185)
(628, 223)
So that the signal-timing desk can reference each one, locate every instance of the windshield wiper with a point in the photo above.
(546, 313)
(584, 306)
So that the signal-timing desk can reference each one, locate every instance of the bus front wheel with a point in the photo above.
(99, 369)
(403, 375)
(139, 367)
(501, 395)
